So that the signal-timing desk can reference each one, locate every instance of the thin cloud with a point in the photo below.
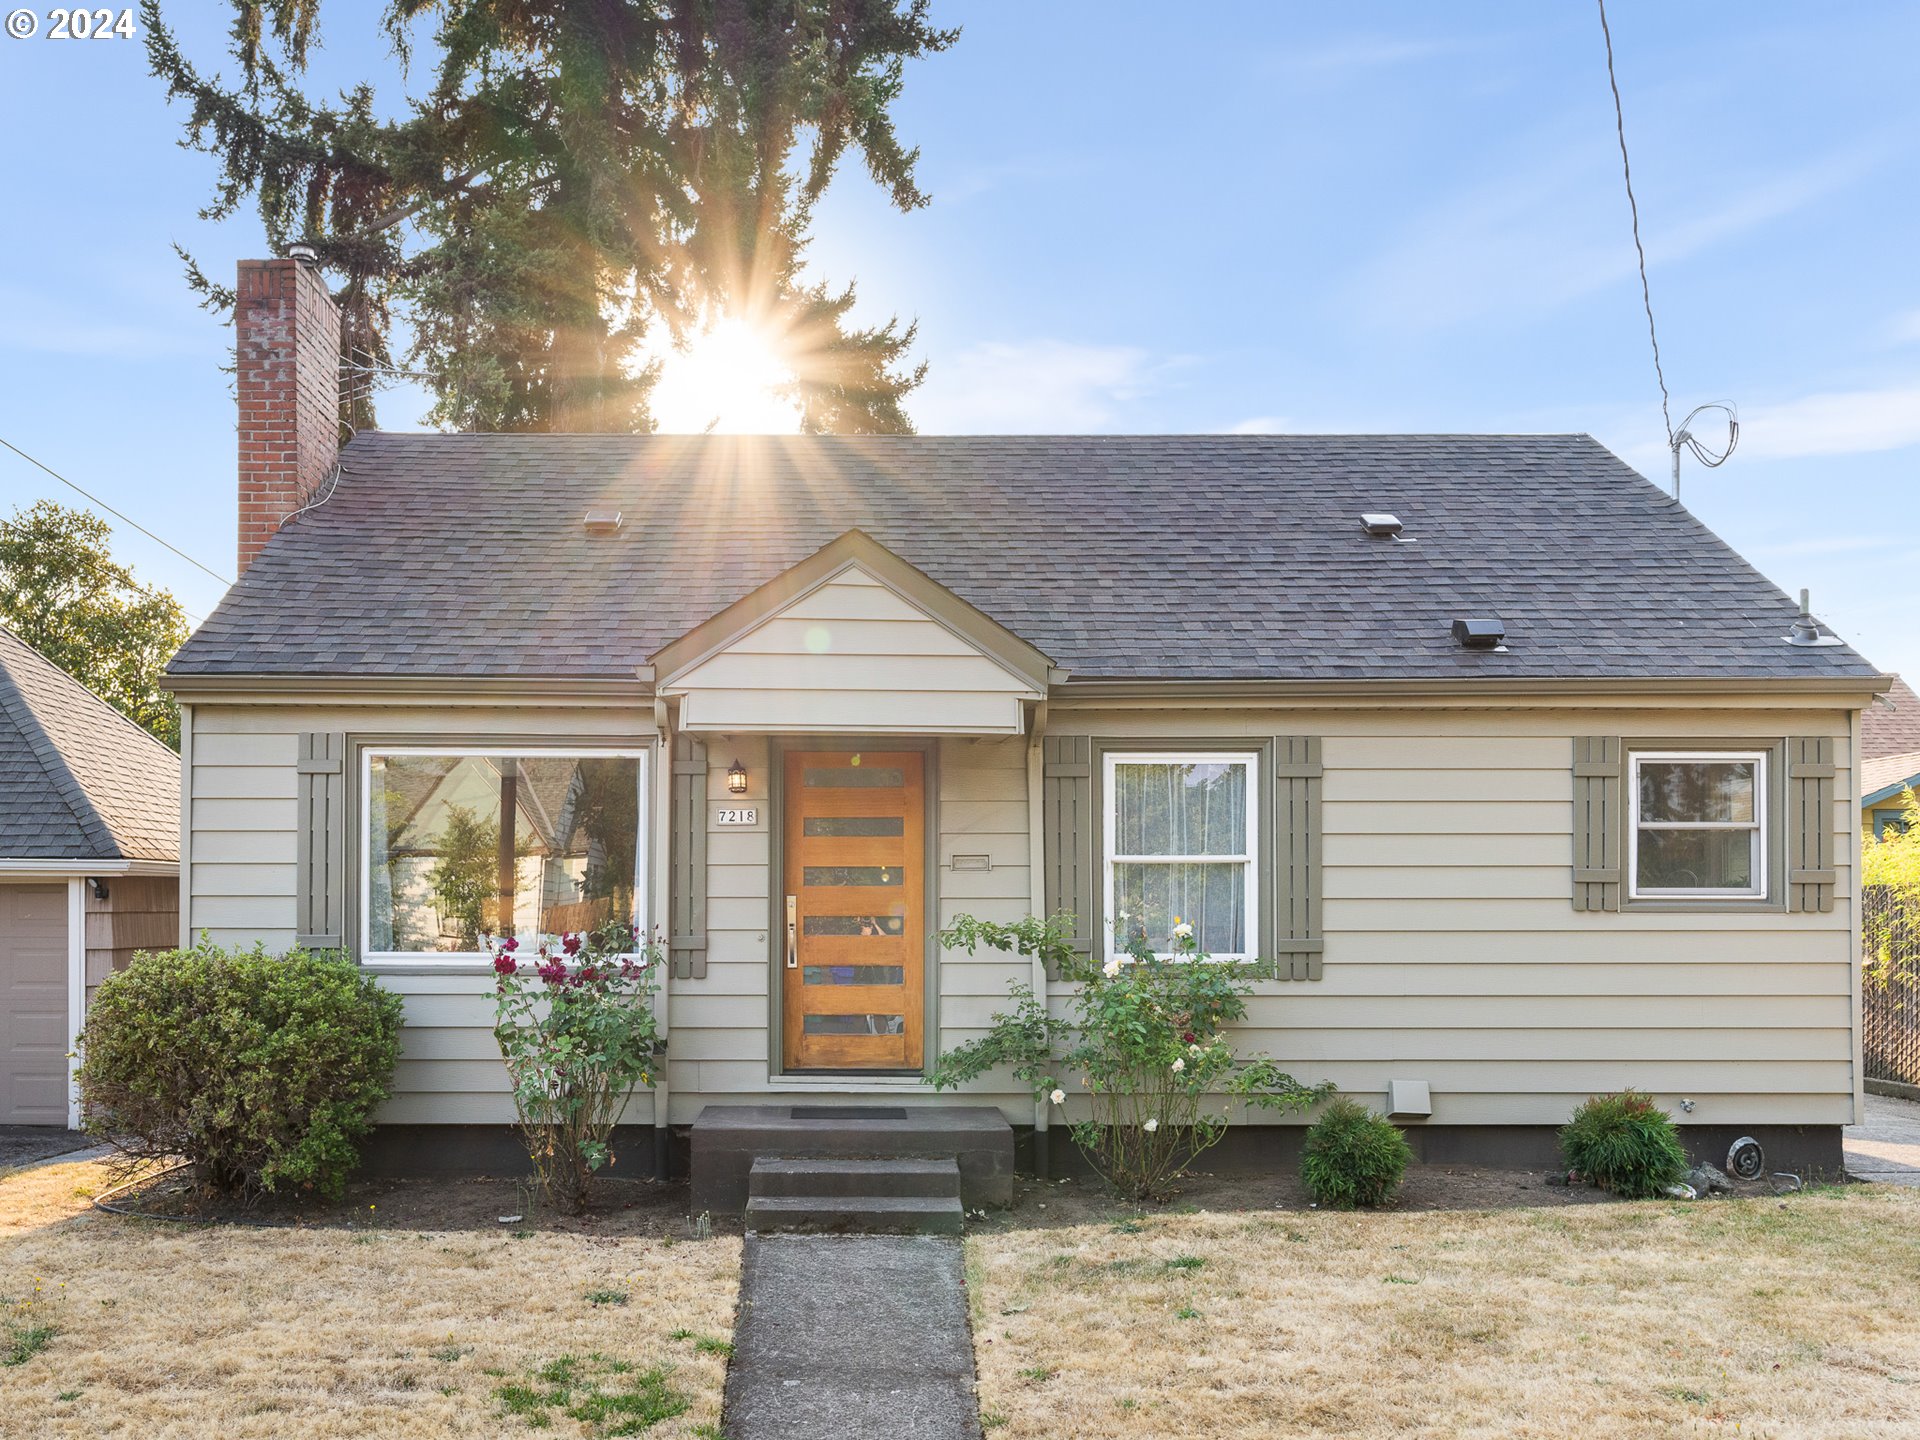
(1840, 422)
(1905, 329)
(1260, 425)
(1033, 387)
(1535, 240)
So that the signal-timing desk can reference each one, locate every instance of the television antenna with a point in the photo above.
(1685, 439)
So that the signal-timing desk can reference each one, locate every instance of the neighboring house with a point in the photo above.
(1889, 758)
(802, 700)
(89, 868)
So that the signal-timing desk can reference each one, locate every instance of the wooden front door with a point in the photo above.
(854, 924)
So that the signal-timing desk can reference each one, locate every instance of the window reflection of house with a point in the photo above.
(529, 845)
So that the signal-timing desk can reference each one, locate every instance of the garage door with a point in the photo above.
(33, 1004)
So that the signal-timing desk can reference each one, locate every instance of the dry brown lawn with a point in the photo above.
(166, 1330)
(1754, 1317)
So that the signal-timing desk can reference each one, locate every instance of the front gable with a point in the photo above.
(852, 640)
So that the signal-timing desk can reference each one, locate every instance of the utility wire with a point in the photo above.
(1626, 170)
(111, 511)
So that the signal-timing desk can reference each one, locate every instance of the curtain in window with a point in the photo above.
(1184, 812)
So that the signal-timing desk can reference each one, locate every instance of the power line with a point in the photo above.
(1626, 170)
(111, 511)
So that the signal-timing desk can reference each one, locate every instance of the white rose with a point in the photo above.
(1151, 1126)
(1059, 1097)
(1110, 969)
(1195, 1051)
(1183, 931)
(1178, 1066)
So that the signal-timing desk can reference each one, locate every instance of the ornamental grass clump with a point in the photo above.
(1353, 1157)
(1146, 1038)
(261, 1070)
(1624, 1143)
(576, 1027)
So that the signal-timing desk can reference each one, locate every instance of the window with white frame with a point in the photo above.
(1698, 827)
(460, 844)
(1179, 832)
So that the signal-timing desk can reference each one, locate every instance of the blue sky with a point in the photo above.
(1290, 217)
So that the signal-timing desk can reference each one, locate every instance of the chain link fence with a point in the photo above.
(1891, 990)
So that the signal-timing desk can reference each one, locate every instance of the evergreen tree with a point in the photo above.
(578, 175)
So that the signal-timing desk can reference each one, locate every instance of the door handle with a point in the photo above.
(793, 932)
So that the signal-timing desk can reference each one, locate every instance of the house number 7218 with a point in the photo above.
(737, 815)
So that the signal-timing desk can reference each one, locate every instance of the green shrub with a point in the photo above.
(262, 1070)
(1353, 1157)
(1624, 1143)
(1149, 1038)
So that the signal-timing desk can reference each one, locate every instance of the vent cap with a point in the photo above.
(1382, 525)
(1486, 632)
(601, 521)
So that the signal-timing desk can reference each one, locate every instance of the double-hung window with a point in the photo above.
(1179, 831)
(1698, 828)
(460, 844)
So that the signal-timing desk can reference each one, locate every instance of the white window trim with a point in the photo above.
(1760, 759)
(642, 896)
(1250, 858)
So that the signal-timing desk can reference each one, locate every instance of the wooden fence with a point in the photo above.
(1891, 990)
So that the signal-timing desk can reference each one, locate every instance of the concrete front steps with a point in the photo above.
(869, 1197)
(908, 1169)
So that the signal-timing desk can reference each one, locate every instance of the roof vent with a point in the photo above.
(1488, 632)
(602, 522)
(1806, 630)
(1384, 527)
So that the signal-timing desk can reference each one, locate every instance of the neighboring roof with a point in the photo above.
(1120, 557)
(1891, 725)
(1885, 776)
(78, 780)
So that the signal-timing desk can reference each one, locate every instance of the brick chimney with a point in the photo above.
(287, 352)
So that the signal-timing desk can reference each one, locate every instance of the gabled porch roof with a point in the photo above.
(853, 639)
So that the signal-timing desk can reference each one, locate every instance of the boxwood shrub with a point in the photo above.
(262, 1070)
(1624, 1143)
(1353, 1157)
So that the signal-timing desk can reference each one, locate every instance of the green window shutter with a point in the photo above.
(1072, 832)
(1297, 776)
(1809, 823)
(687, 863)
(1599, 810)
(320, 850)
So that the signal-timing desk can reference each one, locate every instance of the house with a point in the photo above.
(1495, 758)
(89, 869)
(1889, 758)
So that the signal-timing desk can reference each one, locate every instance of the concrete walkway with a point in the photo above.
(851, 1337)
(1886, 1147)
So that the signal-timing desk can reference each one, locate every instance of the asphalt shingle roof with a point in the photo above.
(1179, 557)
(78, 780)
(1880, 771)
(1891, 725)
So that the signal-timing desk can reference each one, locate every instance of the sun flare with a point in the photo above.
(726, 381)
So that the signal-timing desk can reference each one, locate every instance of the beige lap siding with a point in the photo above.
(720, 1047)
(1454, 954)
(240, 873)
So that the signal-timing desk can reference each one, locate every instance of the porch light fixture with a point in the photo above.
(736, 779)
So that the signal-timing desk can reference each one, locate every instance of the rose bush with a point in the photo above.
(1145, 1035)
(576, 1027)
